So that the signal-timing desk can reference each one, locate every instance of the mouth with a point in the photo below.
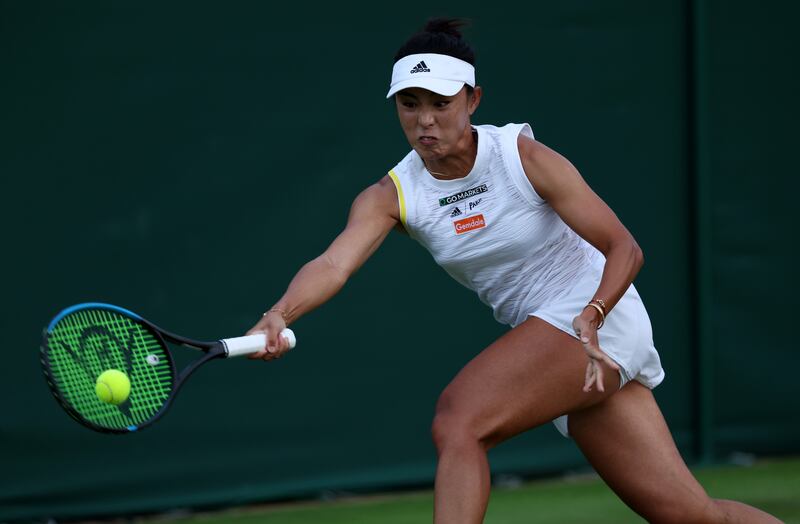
(427, 140)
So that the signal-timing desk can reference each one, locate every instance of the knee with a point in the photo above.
(454, 426)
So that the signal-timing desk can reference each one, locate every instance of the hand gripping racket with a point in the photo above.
(85, 340)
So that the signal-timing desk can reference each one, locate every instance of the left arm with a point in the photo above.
(557, 181)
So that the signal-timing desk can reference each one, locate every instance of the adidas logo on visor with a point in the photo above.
(421, 68)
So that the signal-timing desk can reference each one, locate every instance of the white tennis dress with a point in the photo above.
(495, 235)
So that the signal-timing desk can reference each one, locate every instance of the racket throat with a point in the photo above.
(216, 351)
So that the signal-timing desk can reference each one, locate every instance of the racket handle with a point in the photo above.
(250, 344)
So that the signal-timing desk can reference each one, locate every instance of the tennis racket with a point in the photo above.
(85, 340)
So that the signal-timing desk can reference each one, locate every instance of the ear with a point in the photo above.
(474, 99)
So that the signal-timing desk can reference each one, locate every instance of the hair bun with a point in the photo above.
(440, 36)
(449, 26)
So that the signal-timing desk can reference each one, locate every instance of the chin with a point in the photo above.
(429, 153)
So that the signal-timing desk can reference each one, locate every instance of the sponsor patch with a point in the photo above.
(469, 224)
(456, 212)
(474, 204)
(458, 197)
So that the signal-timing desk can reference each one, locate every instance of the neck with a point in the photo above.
(459, 163)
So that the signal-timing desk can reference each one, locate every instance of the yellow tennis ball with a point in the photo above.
(113, 387)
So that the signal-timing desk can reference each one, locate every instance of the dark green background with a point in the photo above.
(184, 160)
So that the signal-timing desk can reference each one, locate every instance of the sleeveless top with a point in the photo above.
(491, 231)
(495, 235)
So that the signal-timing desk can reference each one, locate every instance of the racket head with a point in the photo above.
(83, 341)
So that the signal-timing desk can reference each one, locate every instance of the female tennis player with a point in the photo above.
(513, 220)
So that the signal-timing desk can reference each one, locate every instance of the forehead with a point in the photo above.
(420, 93)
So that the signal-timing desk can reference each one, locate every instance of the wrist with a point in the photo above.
(594, 315)
(275, 310)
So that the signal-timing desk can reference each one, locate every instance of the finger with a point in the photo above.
(258, 355)
(276, 350)
(610, 362)
(587, 335)
(600, 387)
(590, 372)
(272, 341)
(593, 350)
(280, 348)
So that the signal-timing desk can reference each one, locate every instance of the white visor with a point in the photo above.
(442, 74)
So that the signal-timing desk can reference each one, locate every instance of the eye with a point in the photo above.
(408, 104)
(441, 104)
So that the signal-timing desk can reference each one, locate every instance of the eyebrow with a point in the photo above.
(404, 93)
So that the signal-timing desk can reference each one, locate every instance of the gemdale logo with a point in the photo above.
(469, 224)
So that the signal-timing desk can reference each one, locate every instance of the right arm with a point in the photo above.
(373, 214)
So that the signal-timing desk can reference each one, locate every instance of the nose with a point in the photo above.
(426, 118)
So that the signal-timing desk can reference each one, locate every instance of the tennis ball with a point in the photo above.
(113, 387)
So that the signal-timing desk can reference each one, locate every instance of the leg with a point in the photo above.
(528, 377)
(627, 441)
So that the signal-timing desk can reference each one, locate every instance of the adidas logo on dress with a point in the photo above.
(421, 68)
(456, 212)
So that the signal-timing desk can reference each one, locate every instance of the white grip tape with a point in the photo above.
(250, 344)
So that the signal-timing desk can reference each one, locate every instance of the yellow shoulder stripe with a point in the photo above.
(400, 198)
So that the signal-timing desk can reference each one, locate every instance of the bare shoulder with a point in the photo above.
(549, 172)
(536, 153)
(378, 200)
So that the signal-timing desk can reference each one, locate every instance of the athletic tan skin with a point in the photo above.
(525, 378)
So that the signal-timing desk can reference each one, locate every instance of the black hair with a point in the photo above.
(441, 36)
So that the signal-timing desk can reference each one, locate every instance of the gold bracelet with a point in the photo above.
(599, 310)
(601, 303)
(276, 310)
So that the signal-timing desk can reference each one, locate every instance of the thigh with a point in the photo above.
(529, 376)
(628, 443)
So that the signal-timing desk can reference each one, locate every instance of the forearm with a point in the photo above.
(316, 283)
(373, 214)
(623, 261)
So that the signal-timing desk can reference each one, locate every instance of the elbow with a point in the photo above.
(626, 248)
(638, 255)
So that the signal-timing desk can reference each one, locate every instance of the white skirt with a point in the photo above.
(626, 336)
